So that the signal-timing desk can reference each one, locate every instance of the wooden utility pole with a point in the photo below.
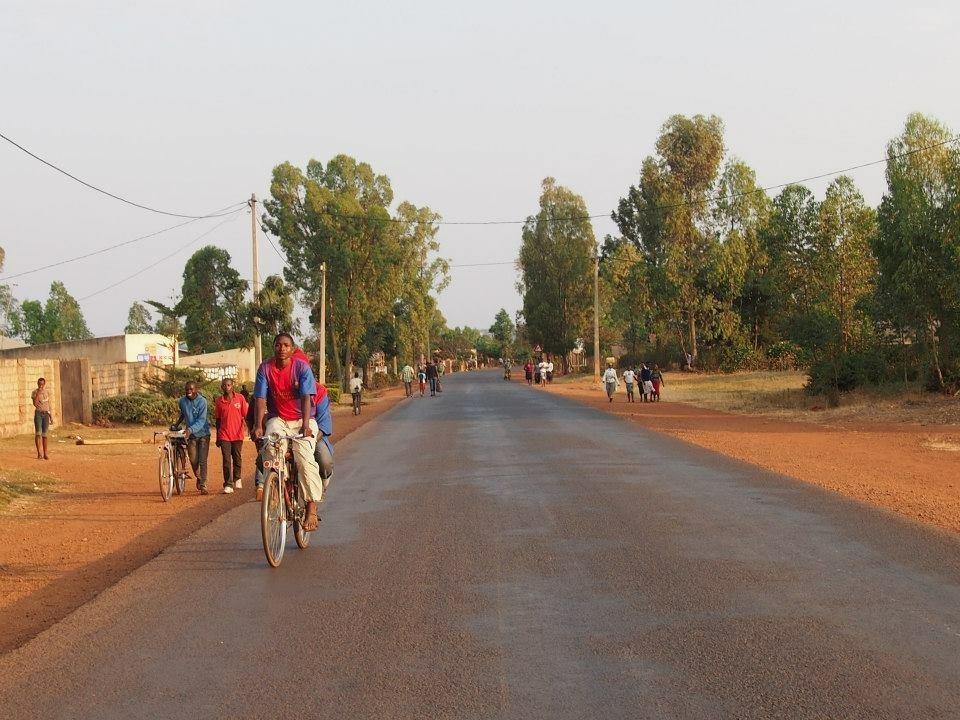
(596, 318)
(257, 350)
(323, 323)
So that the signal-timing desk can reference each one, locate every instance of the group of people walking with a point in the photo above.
(540, 373)
(649, 379)
(428, 374)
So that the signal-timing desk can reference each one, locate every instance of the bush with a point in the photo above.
(847, 371)
(334, 391)
(137, 408)
(170, 381)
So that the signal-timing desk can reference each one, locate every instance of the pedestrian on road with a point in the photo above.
(528, 372)
(543, 372)
(407, 375)
(629, 378)
(356, 388)
(433, 377)
(610, 382)
(656, 382)
(196, 431)
(550, 370)
(230, 412)
(422, 379)
(42, 417)
(647, 385)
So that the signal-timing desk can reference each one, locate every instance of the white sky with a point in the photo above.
(187, 106)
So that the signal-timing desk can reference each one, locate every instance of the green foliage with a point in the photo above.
(170, 381)
(556, 269)
(272, 310)
(58, 320)
(502, 331)
(136, 408)
(847, 371)
(335, 393)
(212, 303)
(138, 319)
(11, 316)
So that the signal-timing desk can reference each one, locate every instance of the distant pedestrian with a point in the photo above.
(422, 379)
(196, 431)
(550, 370)
(42, 417)
(230, 412)
(407, 375)
(646, 385)
(528, 372)
(629, 378)
(543, 372)
(356, 390)
(433, 377)
(656, 381)
(610, 382)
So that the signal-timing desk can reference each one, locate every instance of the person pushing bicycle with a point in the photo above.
(283, 394)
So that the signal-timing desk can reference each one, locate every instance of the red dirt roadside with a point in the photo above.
(910, 469)
(105, 519)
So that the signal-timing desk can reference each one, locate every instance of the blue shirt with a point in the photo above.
(194, 414)
(322, 414)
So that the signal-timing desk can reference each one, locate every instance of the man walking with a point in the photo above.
(610, 382)
(196, 431)
(432, 377)
(629, 378)
(41, 417)
(407, 375)
(230, 412)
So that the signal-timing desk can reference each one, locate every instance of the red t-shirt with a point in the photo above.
(230, 415)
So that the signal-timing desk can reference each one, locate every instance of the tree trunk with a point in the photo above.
(693, 336)
(335, 349)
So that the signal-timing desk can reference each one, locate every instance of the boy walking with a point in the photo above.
(230, 412)
(629, 378)
(196, 431)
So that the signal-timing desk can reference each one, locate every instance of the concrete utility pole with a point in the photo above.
(257, 351)
(323, 323)
(596, 318)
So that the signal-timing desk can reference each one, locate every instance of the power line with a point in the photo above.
(101, 190)
(267, 236)
(236, 214)
(117, 245)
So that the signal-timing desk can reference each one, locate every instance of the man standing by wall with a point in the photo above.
(230, 411)
(407, 375)
(193, 414)
(41, 417)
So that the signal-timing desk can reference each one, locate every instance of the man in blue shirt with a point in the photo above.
(193, 415)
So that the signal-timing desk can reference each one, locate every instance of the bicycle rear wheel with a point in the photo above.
(300, 535)
(273, 519)
(165, 471)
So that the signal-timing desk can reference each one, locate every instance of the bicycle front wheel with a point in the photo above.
(273, 519)
(165, 471)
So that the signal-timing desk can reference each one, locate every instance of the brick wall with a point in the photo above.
(18, 378)
(111, 379)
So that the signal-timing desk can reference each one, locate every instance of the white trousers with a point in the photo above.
(308, 471)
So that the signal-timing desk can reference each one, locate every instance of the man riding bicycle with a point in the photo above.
(284, 397)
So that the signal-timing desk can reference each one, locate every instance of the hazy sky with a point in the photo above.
(187, 106)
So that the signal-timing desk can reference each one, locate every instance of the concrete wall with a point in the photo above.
(120, 378)
(100, 351)
(243, 358)
(18, 378)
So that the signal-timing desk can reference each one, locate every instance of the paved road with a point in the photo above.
(499, 552)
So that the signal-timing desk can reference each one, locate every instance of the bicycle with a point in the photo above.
(172, 469)
(283, 501)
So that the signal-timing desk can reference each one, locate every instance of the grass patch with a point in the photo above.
(16, 483)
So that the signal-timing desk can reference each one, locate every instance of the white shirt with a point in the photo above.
(356, 385)
(549, 367)
(610, 376)
(629, 377)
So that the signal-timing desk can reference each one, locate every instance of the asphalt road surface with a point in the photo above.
(498, 552)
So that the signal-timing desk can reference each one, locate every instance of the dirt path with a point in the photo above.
(105, 519)
(910, 469)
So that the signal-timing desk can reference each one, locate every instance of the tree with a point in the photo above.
(11, 316)
(556, 269)
(59, 320)
(918, 243)
(138, 319)
(668, 218)
(212, 303)
(338, 215)
(502, 331)
(272, 309)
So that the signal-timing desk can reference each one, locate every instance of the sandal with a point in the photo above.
(310, 520)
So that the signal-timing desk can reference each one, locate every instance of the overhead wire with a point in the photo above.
(101, 190)
(236, 214)
(115, 246)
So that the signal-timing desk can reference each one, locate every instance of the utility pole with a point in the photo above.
(596, 318)
(323, 323)
(257, 350)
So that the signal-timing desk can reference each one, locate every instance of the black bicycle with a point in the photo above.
(172, 463)
(283, 501)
